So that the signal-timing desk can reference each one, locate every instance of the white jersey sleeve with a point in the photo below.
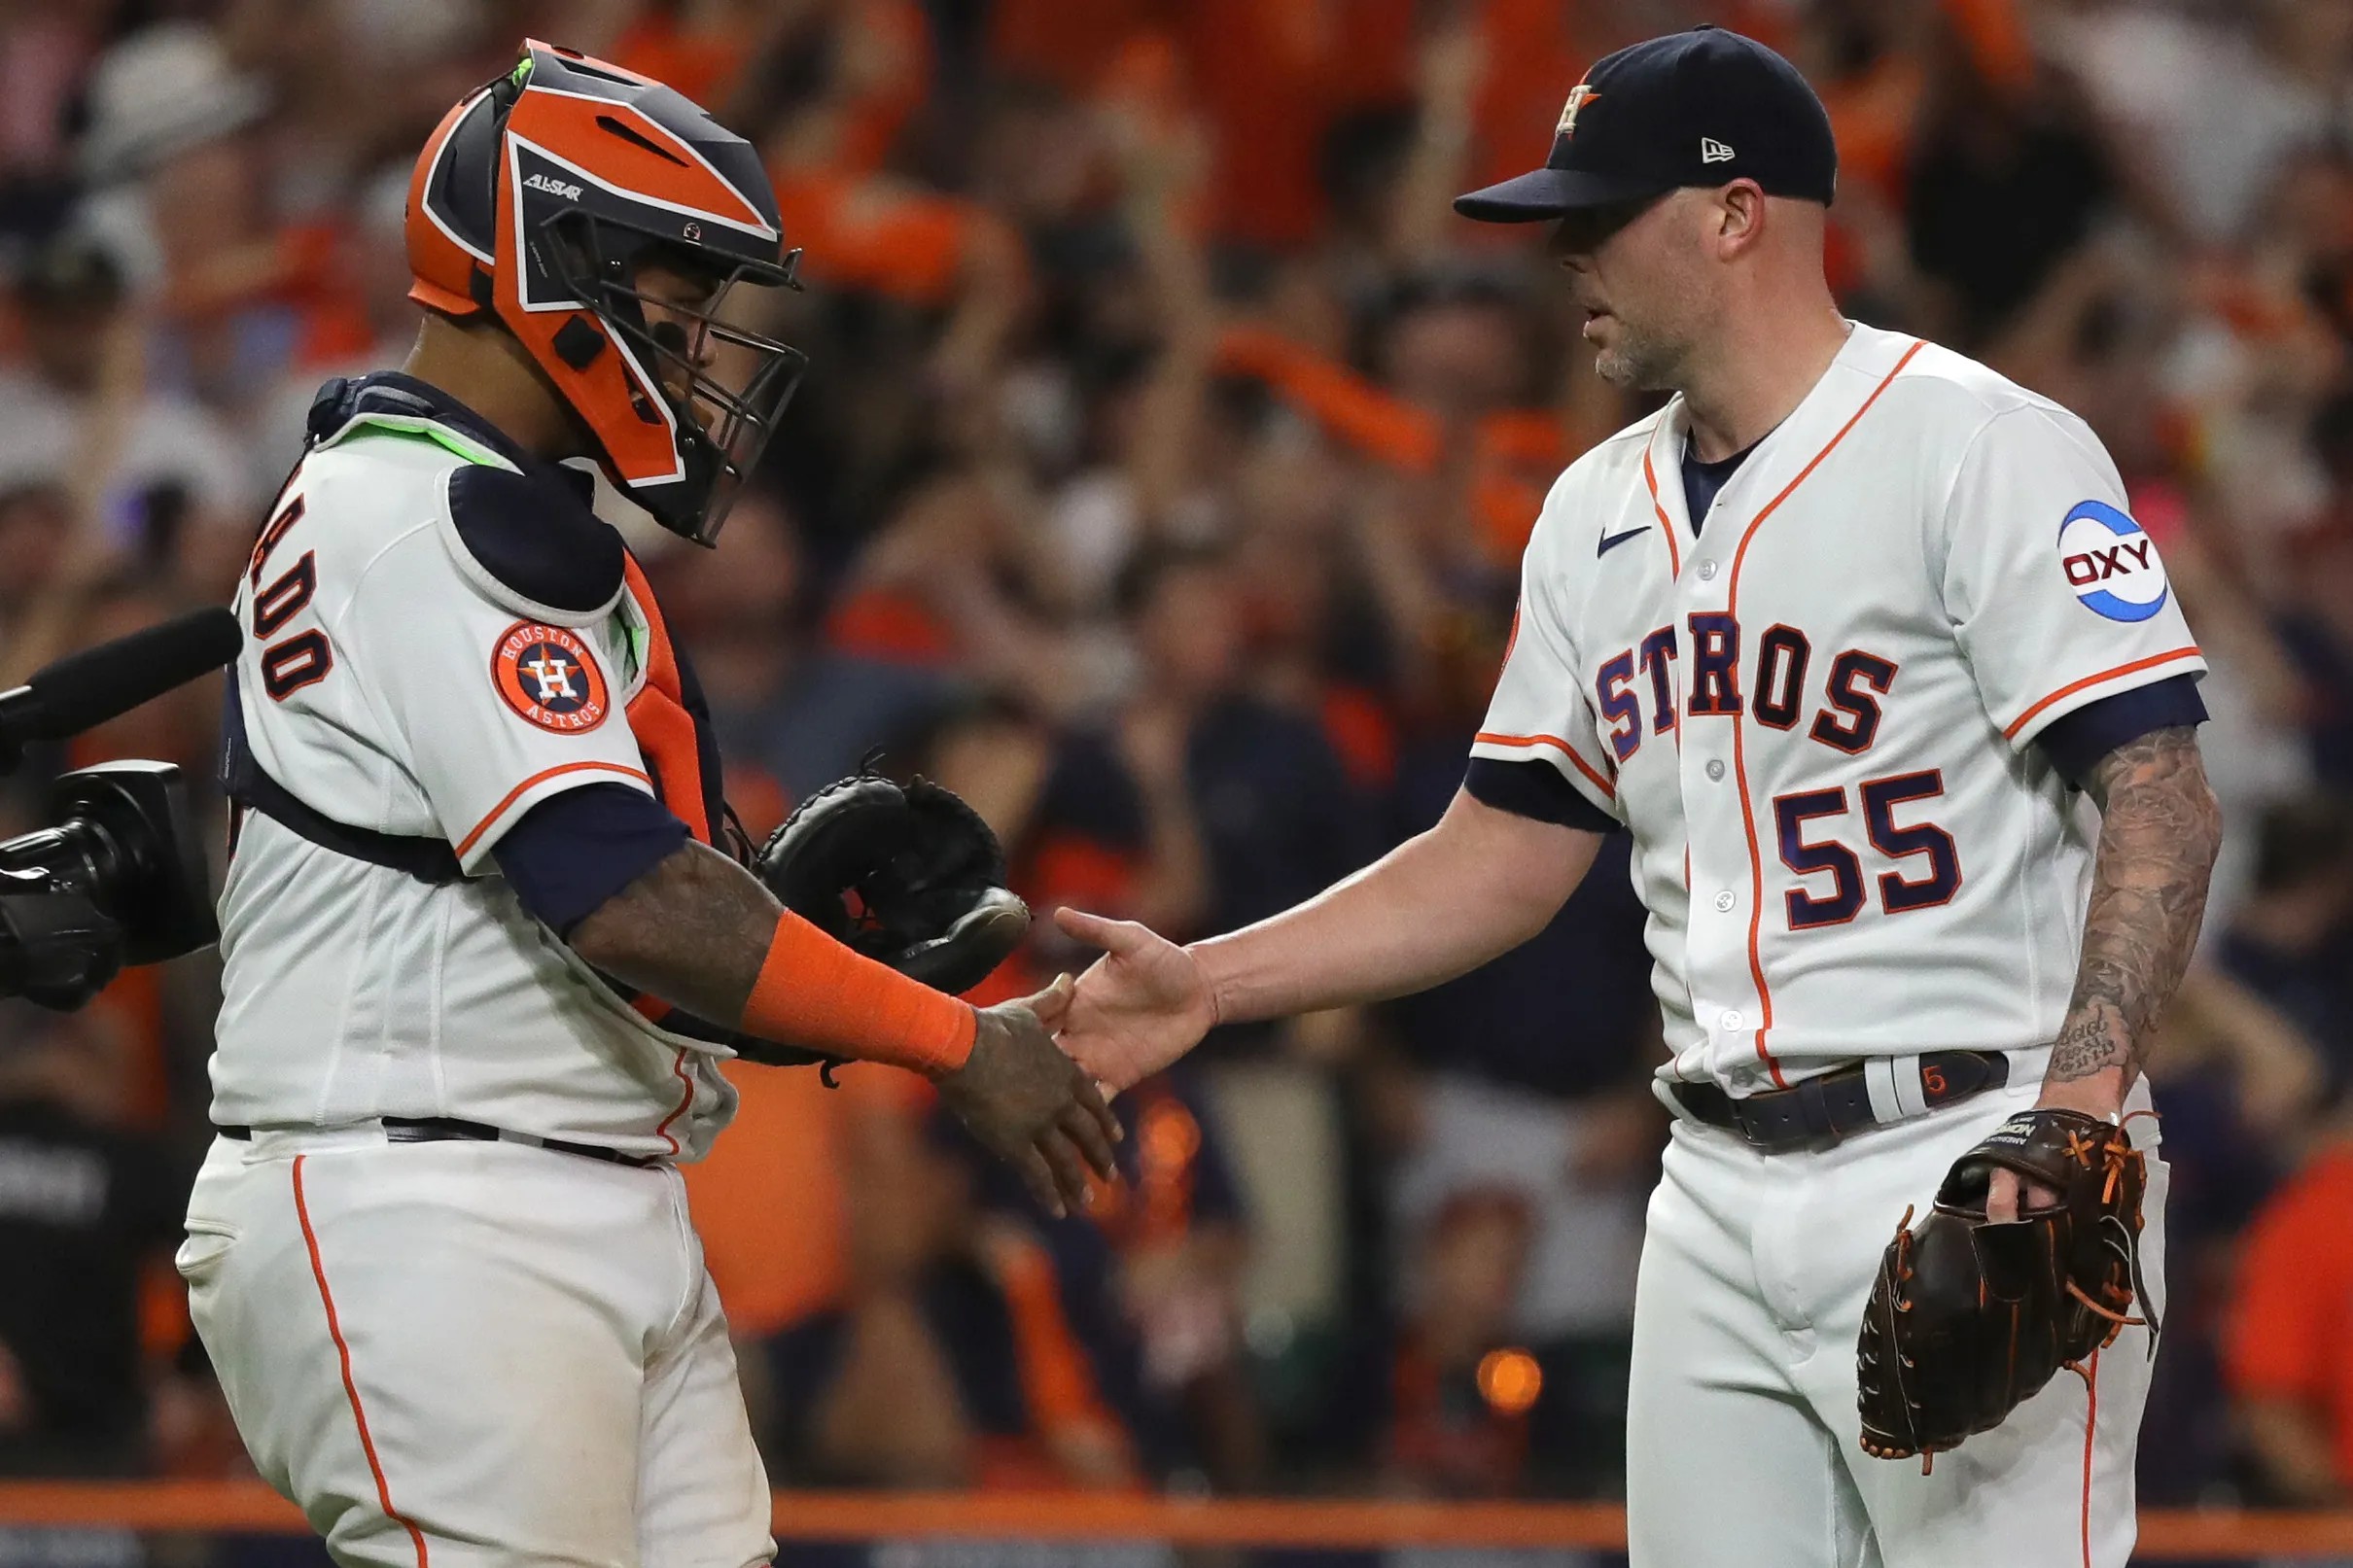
(1540, 708)
(490, 712)
(2056, 596)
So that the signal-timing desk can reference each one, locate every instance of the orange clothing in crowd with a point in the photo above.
(884, 47)
(1873, 114)
(1273, 77)
(895, 61)
(321, 282)
(1995, 34)
(768, 1201)
(1269, 77)
(1520, 453)
(863, 233)
(703, 63)
(1351, 409)
(1068, 46)
(1516, 453)
(890, 625)
(1066, 1405)
(1535, 52)
(2290, 1335)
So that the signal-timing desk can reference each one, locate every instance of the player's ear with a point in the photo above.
(1738, 214)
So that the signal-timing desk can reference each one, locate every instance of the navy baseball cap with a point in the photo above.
(1700, 107)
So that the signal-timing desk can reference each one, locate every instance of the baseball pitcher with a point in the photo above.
(1843, 636)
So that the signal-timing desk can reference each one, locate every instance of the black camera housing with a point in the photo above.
(120, 878)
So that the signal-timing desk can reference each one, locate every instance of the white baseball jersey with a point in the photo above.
(1815, 715)
(392, 682)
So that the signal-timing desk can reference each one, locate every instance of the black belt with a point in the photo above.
(450, 1130)
(1827, 1108)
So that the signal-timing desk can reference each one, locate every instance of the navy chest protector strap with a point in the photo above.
(250, 787)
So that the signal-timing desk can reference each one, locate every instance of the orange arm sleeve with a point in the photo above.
(818, 995)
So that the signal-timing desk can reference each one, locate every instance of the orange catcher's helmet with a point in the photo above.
(535, 203)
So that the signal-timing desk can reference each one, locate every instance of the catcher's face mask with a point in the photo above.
(721, 385)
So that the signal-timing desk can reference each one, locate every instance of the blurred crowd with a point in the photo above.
(1159, 486)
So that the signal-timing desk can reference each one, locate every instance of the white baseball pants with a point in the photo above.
(1741, 1447)
(474, 1353)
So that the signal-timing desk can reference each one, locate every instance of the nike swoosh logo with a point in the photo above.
(1610, 542)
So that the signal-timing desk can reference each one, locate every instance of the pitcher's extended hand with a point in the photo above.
(1139, 1007)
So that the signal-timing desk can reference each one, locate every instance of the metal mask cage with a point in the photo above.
(721, 430)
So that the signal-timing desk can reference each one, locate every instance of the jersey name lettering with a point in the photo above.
(306, 658)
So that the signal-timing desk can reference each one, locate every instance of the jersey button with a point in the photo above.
(1734, 1020)
(1715, 768)
(1725, 899)
(1707, 571)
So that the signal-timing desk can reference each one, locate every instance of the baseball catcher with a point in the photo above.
(488, 933)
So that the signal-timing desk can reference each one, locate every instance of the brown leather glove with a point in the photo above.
(1969, 1318)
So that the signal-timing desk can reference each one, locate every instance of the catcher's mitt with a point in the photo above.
(1969, 1318)
(912, 878)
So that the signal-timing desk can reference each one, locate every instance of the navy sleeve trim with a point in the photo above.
(535, 538)
(2075, 742)
(1536, 789)
(574, 851)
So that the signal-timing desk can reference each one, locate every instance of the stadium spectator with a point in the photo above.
(788, 700)
(2290, 941)
(1149, 1281)
(2287, 1334)
(146, 469)
(949, 1360)
(85, 1210)
(1460, 1393)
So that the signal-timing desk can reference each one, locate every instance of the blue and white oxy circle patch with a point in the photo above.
(2111, 563)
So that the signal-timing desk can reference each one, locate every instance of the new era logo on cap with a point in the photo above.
(1713, 151)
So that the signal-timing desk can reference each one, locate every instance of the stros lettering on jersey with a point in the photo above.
(1815, 713)
(440, 636)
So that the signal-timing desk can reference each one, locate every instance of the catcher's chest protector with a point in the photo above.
(673, 725)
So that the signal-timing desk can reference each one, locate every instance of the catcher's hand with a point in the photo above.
(912, 878)
(1970, 1317)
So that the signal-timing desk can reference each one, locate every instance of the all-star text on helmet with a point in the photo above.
(535, 203)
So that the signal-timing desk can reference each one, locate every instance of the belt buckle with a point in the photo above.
(1762, 1139)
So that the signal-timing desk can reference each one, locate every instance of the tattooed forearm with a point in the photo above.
(2159, 828)
(694, 932)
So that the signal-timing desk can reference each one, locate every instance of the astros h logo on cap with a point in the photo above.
(1578, 97)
